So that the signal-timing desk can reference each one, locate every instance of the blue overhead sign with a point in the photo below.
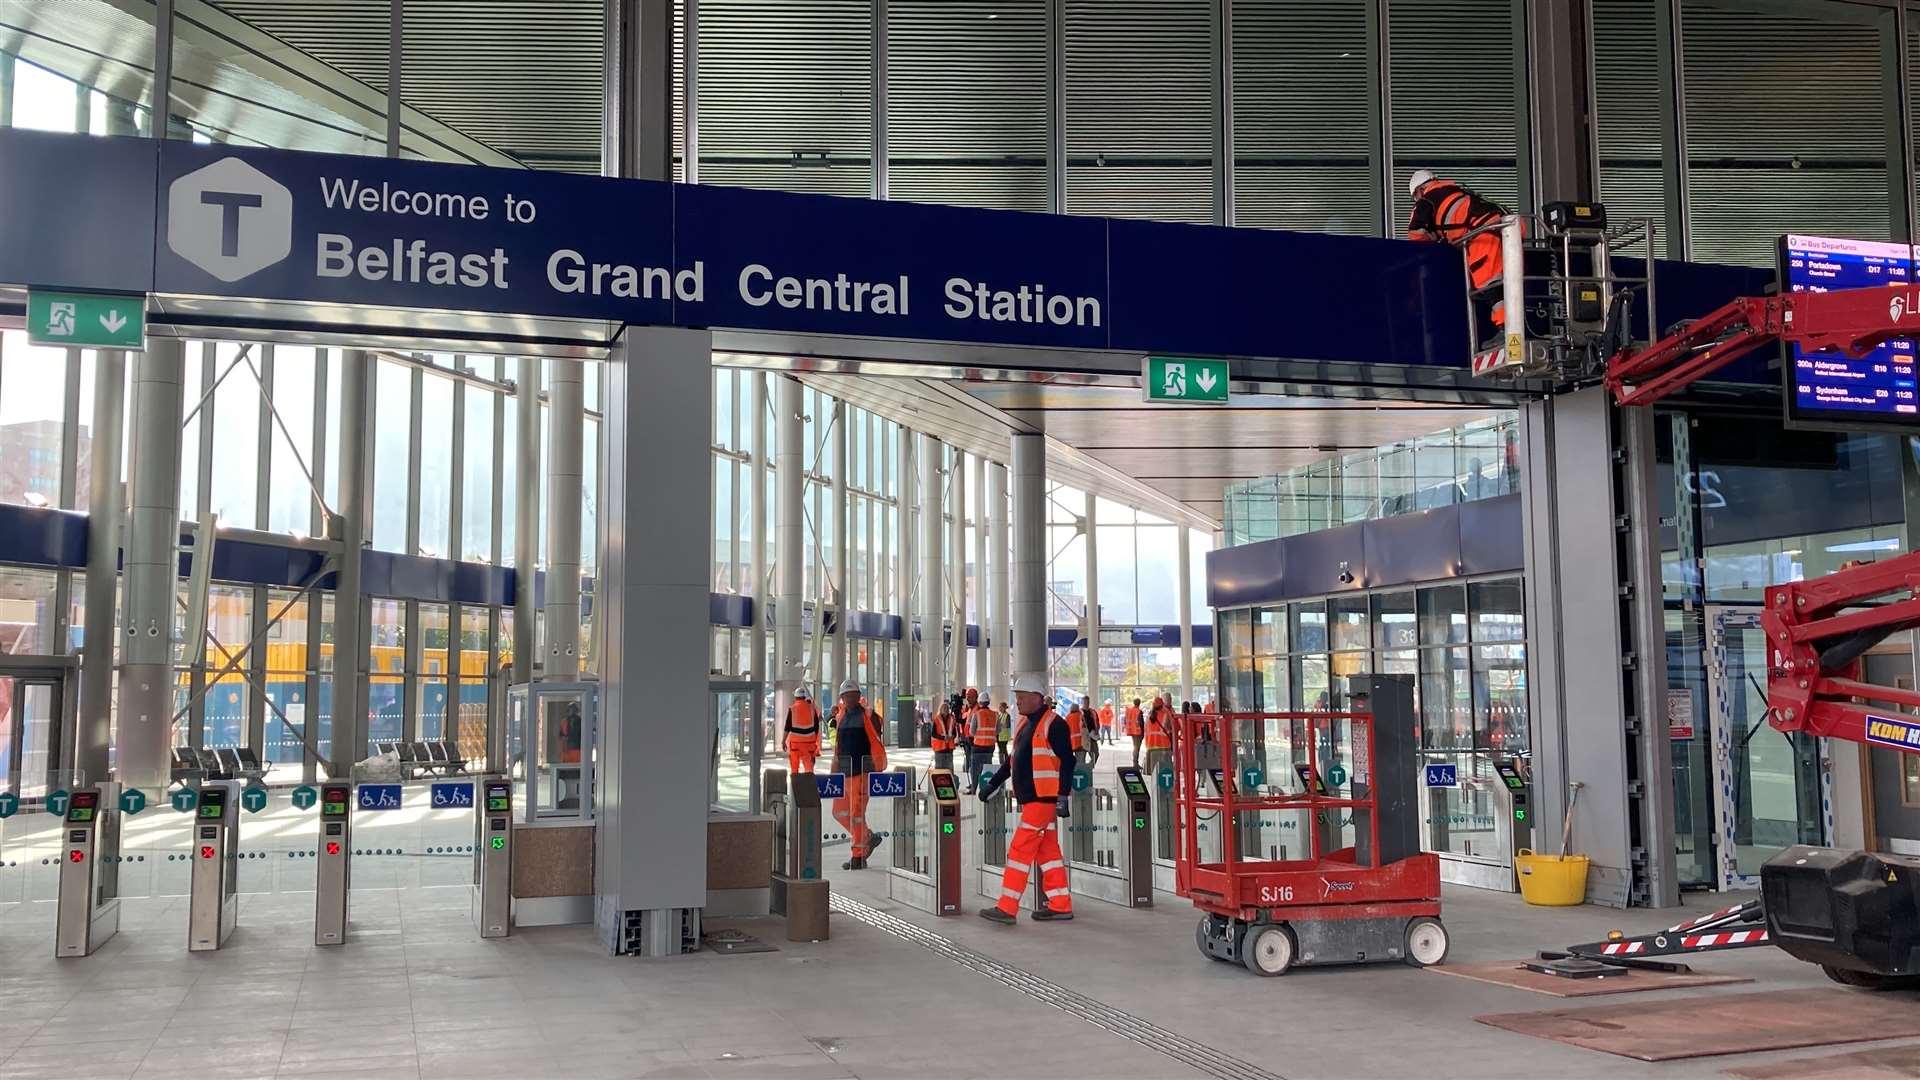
(249, 224)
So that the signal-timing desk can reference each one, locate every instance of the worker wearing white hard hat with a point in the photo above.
(1447, 212)
(1042, 754)
(858, 750)
(800, 733)
(1421, 178)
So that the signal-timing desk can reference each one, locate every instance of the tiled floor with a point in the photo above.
(415, 994)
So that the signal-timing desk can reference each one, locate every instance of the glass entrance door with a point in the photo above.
(738, 739)
(1767, 783)
(31, 708)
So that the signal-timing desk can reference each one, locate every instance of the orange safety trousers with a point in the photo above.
(1037, 838)
(801, 754)
(850, 810)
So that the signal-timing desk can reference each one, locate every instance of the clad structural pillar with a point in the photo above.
(842, 550)
(104, 511)
(347, 530)
(568, 415)
(526, 519)
(1000, 639)
(980, 665)
(152, 563)
(932, 613)
(1090, 618)
(1029, 540)
(957, 569)
(650, 856)
(789, 480)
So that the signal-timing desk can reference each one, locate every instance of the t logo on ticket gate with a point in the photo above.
(886, 785)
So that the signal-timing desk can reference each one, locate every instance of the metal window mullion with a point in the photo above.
(1223, 112)
(1380, 113)
(254, 738)
(263, 474)
(736, 476)
(418, 384)
(1670, 69)
(316, 513)
(879, 140)
(395, 23)
(411, 632)
(70, 434)
(498, 509)
(456, 495)
(450, 669)
(689, 107)
(203, 495)
(1057, 106)
(1900, 167)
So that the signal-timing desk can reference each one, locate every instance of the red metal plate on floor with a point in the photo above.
(1729, 1024)
(1884, 1063)
(1513, 973)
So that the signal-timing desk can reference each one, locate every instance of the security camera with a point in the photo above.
(1346, 575)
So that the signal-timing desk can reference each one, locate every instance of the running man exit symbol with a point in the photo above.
(1185, 380)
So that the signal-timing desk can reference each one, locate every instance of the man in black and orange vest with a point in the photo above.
(1042, 756)
(857, 751)
(1445, 212)
(800, 735)
(982, 734)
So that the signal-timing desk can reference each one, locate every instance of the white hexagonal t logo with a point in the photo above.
(229, 219)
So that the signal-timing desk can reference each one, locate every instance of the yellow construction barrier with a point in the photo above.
(1552, 880)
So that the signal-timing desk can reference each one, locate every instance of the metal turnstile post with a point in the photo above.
(87, 912)
(493, 858)
(214, 900)
(334, 864)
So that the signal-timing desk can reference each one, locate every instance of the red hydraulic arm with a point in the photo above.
(1814, 645)
(1849, 321)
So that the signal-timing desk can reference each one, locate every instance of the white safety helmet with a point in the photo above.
(802, 694)
(850, 687)
(1029, 684)
(1421, 178)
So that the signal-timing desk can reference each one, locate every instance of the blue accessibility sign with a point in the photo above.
(453, 796)
(1443, 776)
(379, 797)
(832, 786)
(886, 785)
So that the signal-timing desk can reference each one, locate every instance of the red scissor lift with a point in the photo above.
(1370, 900)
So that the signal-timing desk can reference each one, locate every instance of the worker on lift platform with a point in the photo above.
(1042, 751)
(1445, 212)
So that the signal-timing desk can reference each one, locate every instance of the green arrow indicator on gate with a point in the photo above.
(57, 803)
(254, 799)
(304, 797)
(132, 801)
(183, 798)
(9, 804)
(97, 320)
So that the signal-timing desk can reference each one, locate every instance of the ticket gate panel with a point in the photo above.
(333, 864)
(213, 902)
(1136, 846)
(944, 868)
(493, 859)
(87, 911)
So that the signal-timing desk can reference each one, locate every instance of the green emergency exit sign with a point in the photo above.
(87, 320)
(1184, 380)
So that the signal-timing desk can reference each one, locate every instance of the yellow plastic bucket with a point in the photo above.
(1552, 880)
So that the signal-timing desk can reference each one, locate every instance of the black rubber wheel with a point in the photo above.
(1268, 950)
(1201, 937)
(1870, 980)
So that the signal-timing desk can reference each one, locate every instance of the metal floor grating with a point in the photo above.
(1098, 1013)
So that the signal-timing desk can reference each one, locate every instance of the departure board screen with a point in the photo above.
(1827, 389)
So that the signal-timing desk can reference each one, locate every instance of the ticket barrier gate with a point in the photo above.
(794, 804)
(932, 883)
(87, 913)
(333, 872)
(214, 899)
(1136, 845)
(1519, 803)
(493, 859)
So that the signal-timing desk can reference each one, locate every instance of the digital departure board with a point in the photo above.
(82, 805)
(1827, 389)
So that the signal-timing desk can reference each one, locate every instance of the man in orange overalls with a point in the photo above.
(1445, 212)
(858, 750)
(800, 736)
(1042, 755)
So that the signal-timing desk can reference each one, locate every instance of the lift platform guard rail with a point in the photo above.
(1360, 894)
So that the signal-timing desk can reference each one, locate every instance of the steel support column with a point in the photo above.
(1185, 569)
(526, 520)
(842, 549)
(932, 614)
(757, 538)
(980, 666)
(1029, 600)
(1090, 617)
(348, 530)
(568, 413)
(789, 478)
(906, 669)
(1000, 654)
(105, 506)
(152, 564)
(636, 132)
(956, 582)
(1560, 95)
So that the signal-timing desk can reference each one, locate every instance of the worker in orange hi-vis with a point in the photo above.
(858, 750)
(1445, 212)
(800, 736)
(1042, 752)
(1106, 721)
